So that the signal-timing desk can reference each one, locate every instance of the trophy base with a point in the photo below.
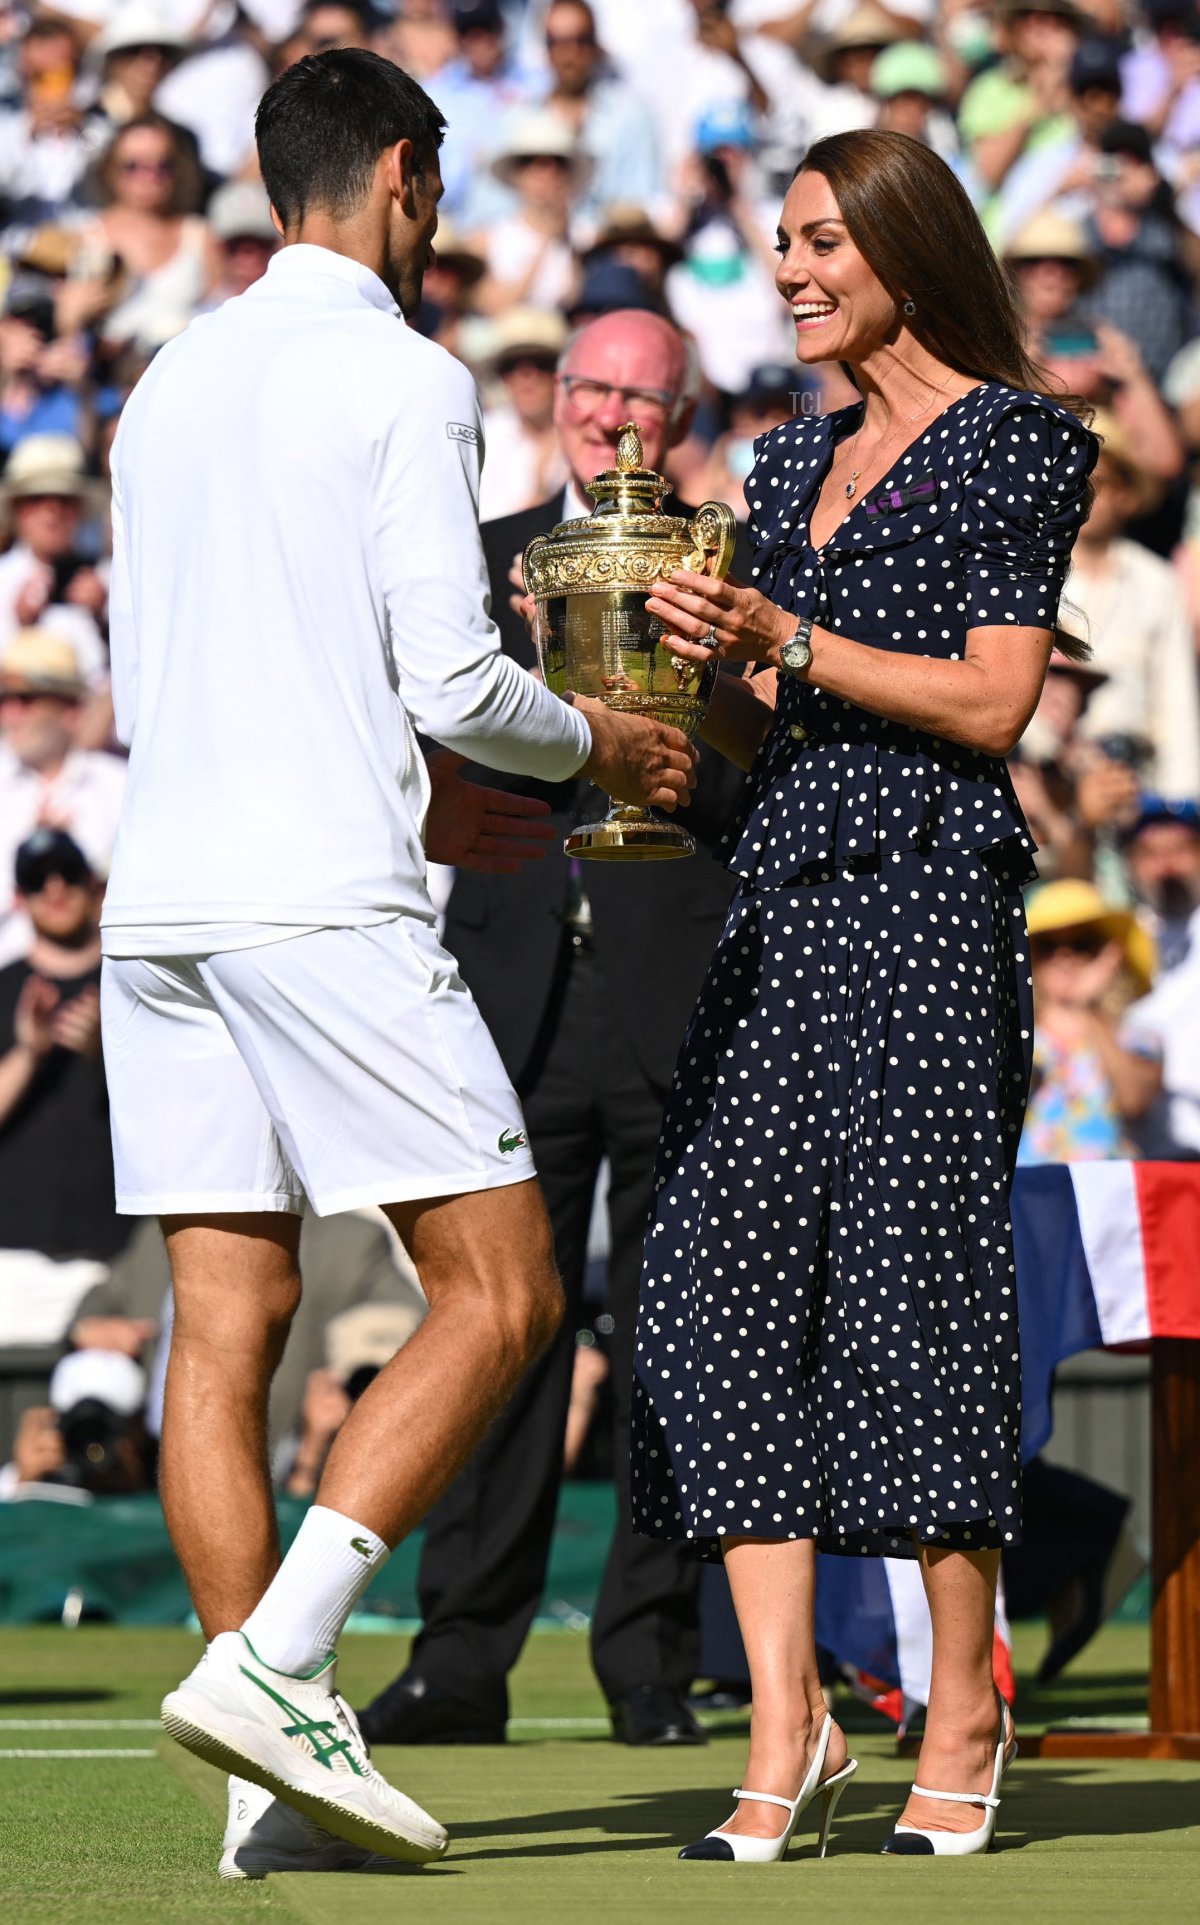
(630, 837)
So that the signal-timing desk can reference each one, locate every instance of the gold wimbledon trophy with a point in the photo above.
(590, 580)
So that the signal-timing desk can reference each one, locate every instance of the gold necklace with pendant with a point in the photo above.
(905, 420)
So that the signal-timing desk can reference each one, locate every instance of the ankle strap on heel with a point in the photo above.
(958, 1797)
(767, 1798)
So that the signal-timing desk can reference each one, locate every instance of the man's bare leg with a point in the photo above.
(486, 1264)
(236, 1288)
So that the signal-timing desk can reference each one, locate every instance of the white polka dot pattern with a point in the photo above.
(991, 547)
(827, 1344)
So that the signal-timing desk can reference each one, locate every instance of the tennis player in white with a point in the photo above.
(298, 589)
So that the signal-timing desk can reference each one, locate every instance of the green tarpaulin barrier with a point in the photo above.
(112, 1560)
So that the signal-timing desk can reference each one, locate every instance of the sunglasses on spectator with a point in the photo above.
(531, 160)
(142, 49)
(162, 169)
(570, 40)
(31, 878)
(1050, 260)
(586, 396)
(1081, 945)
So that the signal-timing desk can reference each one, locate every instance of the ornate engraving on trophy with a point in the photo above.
(590, 580)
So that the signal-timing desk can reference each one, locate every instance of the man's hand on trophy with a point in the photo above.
(471, 827)
(521, 604)
(636, 759)
(706, 618)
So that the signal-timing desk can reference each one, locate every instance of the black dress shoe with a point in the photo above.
(654, 1714)
(411, 1711)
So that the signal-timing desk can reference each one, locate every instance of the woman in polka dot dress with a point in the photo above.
(827, 1346)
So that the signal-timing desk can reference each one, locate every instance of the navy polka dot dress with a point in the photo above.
(827, 1344)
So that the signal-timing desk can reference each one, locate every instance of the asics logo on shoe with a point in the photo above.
(510, 1140)
(360, 1545)
(321, 1733)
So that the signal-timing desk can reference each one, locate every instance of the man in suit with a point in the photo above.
(586, 974)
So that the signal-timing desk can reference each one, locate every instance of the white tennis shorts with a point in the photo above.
(345, 1066)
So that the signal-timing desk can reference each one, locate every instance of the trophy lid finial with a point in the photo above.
(629, 449)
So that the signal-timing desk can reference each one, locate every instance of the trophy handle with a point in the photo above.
(713, 530)
(530, 558)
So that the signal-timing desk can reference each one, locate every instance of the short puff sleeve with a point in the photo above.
(1024, 502)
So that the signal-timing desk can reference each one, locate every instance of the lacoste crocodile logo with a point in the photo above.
(510, 1140)
(360, 1545)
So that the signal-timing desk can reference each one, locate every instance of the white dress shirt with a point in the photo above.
(1141, 636)
(298, 588)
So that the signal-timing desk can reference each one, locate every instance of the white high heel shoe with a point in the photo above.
(910, 1841)
(744, 1850)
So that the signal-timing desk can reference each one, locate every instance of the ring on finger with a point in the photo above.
(709, 637)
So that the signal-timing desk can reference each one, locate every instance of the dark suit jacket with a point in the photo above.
(655, 923)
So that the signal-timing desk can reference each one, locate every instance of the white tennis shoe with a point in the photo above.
(298, 1739)
(264, 1835)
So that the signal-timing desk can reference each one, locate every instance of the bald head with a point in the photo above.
(641, 371)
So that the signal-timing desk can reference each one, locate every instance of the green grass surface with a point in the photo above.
(562, 1824)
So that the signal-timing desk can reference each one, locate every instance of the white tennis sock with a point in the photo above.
(298, 1620)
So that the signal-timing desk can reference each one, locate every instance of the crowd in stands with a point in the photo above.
(617, 155)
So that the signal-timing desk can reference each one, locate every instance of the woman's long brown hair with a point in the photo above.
(913, 224)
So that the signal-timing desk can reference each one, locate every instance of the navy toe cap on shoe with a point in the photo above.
(708, 1848)
(908, 1844)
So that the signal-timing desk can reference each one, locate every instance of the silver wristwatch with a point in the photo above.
(796, 653)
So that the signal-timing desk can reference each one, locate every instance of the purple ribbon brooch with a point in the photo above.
(894, 500)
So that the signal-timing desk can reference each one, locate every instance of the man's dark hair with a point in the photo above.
(323, 124)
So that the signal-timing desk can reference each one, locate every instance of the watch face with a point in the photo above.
(796, 654)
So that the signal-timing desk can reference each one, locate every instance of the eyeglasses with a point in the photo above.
(587, 396)
(161, 169)
(33, 880)
(1052, 945)
(513, 363)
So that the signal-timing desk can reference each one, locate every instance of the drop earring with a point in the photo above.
(910, 306)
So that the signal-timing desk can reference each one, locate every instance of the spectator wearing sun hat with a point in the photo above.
(845, 63)
(46, 779)
(239, 218)
(723, 292)
(528, 251)
(911, 82)
(134, 51)
(524, 460)
(1090, 961)
(45, 576)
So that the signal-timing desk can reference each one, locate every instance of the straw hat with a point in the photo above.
(47, 464)
(37, 662)
(623, 224)
(866, 25)
(451, 250)
(240, 211)
(49, 250)
(1051, 236)
(1060, 906)
(527, 330)
(530, 136)
(1116, 445)
(138, 23)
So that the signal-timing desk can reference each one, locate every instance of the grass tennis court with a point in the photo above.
(562, 1824)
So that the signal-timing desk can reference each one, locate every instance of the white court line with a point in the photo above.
(78, 1724)
(93, 1753)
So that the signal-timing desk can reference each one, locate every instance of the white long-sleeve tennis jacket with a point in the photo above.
(298, 588)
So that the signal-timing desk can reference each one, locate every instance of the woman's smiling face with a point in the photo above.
(840, 307)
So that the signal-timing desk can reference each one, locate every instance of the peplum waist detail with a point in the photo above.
(835, 784)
